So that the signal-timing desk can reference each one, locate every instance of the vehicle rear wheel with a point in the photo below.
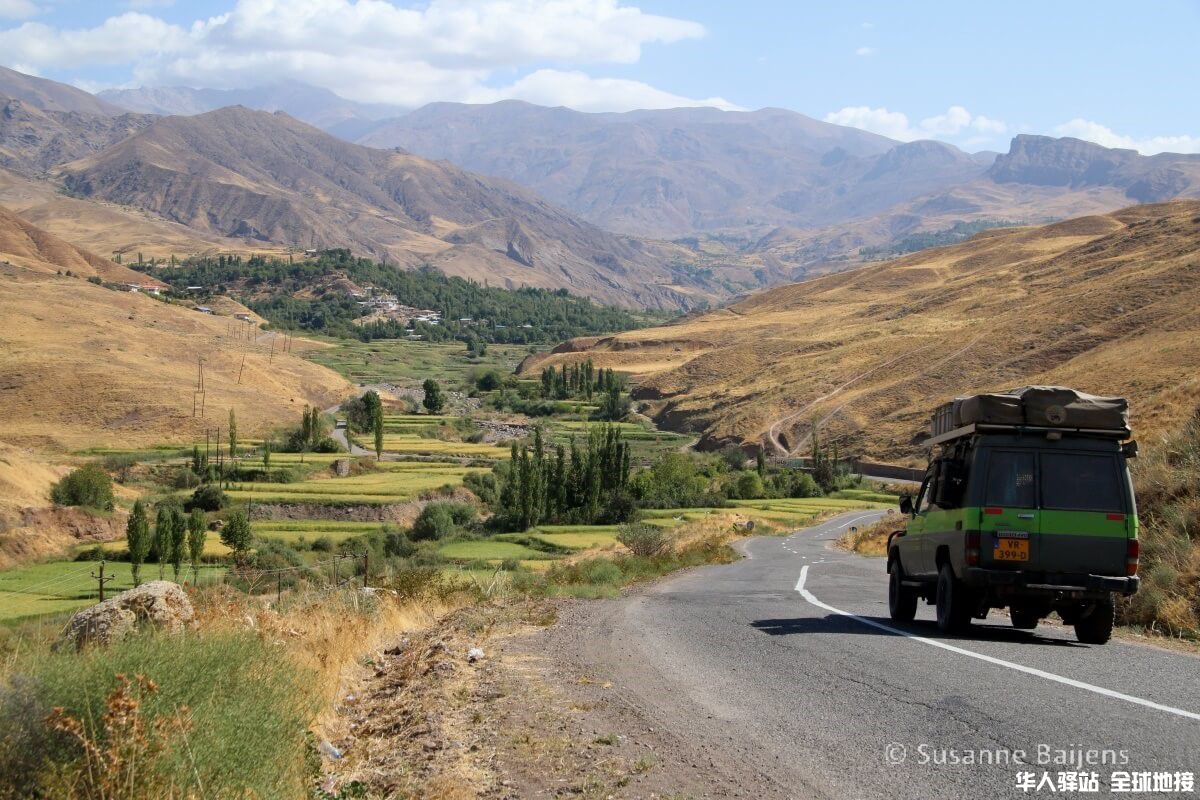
(1025, 619)
(953, 602)
(1095, 626)
(902, 600)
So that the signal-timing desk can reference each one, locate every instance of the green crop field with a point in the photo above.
(869, 495)
(410, 423)
(293, 532)
(409, 363)
(491, 550)
(61, 586)
(572, 537)
(414, 445)
(392, 482)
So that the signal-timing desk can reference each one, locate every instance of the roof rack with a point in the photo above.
(978, 427)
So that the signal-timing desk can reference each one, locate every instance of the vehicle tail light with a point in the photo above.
(1132, 553)
(972, 553)
(994, 511)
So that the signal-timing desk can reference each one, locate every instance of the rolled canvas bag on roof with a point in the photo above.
(1052, 406)
(1058, 406)
(998, 409)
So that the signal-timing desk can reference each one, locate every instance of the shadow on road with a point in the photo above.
(839, 623)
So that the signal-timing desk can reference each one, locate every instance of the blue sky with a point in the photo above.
(972, 74)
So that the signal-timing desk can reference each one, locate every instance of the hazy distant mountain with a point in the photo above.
(315, 106)
(33, 139)
(249, 174)
(52, 95)
(677, 171)
(1076, 164)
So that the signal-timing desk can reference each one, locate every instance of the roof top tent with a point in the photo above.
(1031, 409)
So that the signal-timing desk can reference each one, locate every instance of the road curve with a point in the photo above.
(811, 691)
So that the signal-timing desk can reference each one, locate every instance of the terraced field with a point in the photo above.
(408, 363)
(563, 540)
(410, 444)
(391, 482)
(297, 533)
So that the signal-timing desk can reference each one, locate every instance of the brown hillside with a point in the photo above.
(27, 245)
(52, 95)
(84, 366)
(107, 228)
(1109, 304)
(268, 177)
(33, 139)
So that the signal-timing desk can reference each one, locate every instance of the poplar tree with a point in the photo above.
(162, 538)
(197, 532)
(137, 540)
(377, 423)
(178, 545)
(232, 434)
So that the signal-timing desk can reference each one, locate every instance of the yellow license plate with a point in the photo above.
(1011, 550)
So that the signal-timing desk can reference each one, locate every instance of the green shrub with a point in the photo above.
(185, 478)
(397, 545)
(87, 486)
(327, 445)
(749, 485)
(322, 544)
(248, 706)
(643, 539)
(208, 497)
(438, 520)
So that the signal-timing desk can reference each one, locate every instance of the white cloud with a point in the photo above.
(1095, 132)
(17, 9)
(111, 42)
(956, 121)
(892, 124)
(865, 51)
(372, 50)
(580, 91)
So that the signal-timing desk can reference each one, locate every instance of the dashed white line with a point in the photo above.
(1050, 676)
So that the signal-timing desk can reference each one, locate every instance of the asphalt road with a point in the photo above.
(811, 691)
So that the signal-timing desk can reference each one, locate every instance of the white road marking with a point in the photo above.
(1050, 676)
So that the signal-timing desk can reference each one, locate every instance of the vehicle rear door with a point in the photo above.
(1086, 516)
(1009, 523)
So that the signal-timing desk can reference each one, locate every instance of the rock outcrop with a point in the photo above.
(157, 604)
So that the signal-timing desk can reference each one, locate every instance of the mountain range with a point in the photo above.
(664, 209)
(1104, 303)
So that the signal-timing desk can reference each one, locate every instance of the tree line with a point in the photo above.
(270, 285)
(583, 483)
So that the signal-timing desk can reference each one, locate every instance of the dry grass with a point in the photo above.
(105, 228)
(1107, 304)
(90, 367)
(872, 539)
(1167, 479)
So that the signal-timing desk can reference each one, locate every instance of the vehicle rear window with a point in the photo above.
(1010, 480)
(1081, 482)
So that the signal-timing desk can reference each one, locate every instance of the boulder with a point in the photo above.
(157, 604)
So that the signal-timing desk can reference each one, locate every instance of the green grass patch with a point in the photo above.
(61, 586)
(247, 704)
(409, 363)
(491, 550)
(415, 445)
(392, 482)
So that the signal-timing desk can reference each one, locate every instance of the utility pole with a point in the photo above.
(242, 367)
(102, 579)
(366, 566)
